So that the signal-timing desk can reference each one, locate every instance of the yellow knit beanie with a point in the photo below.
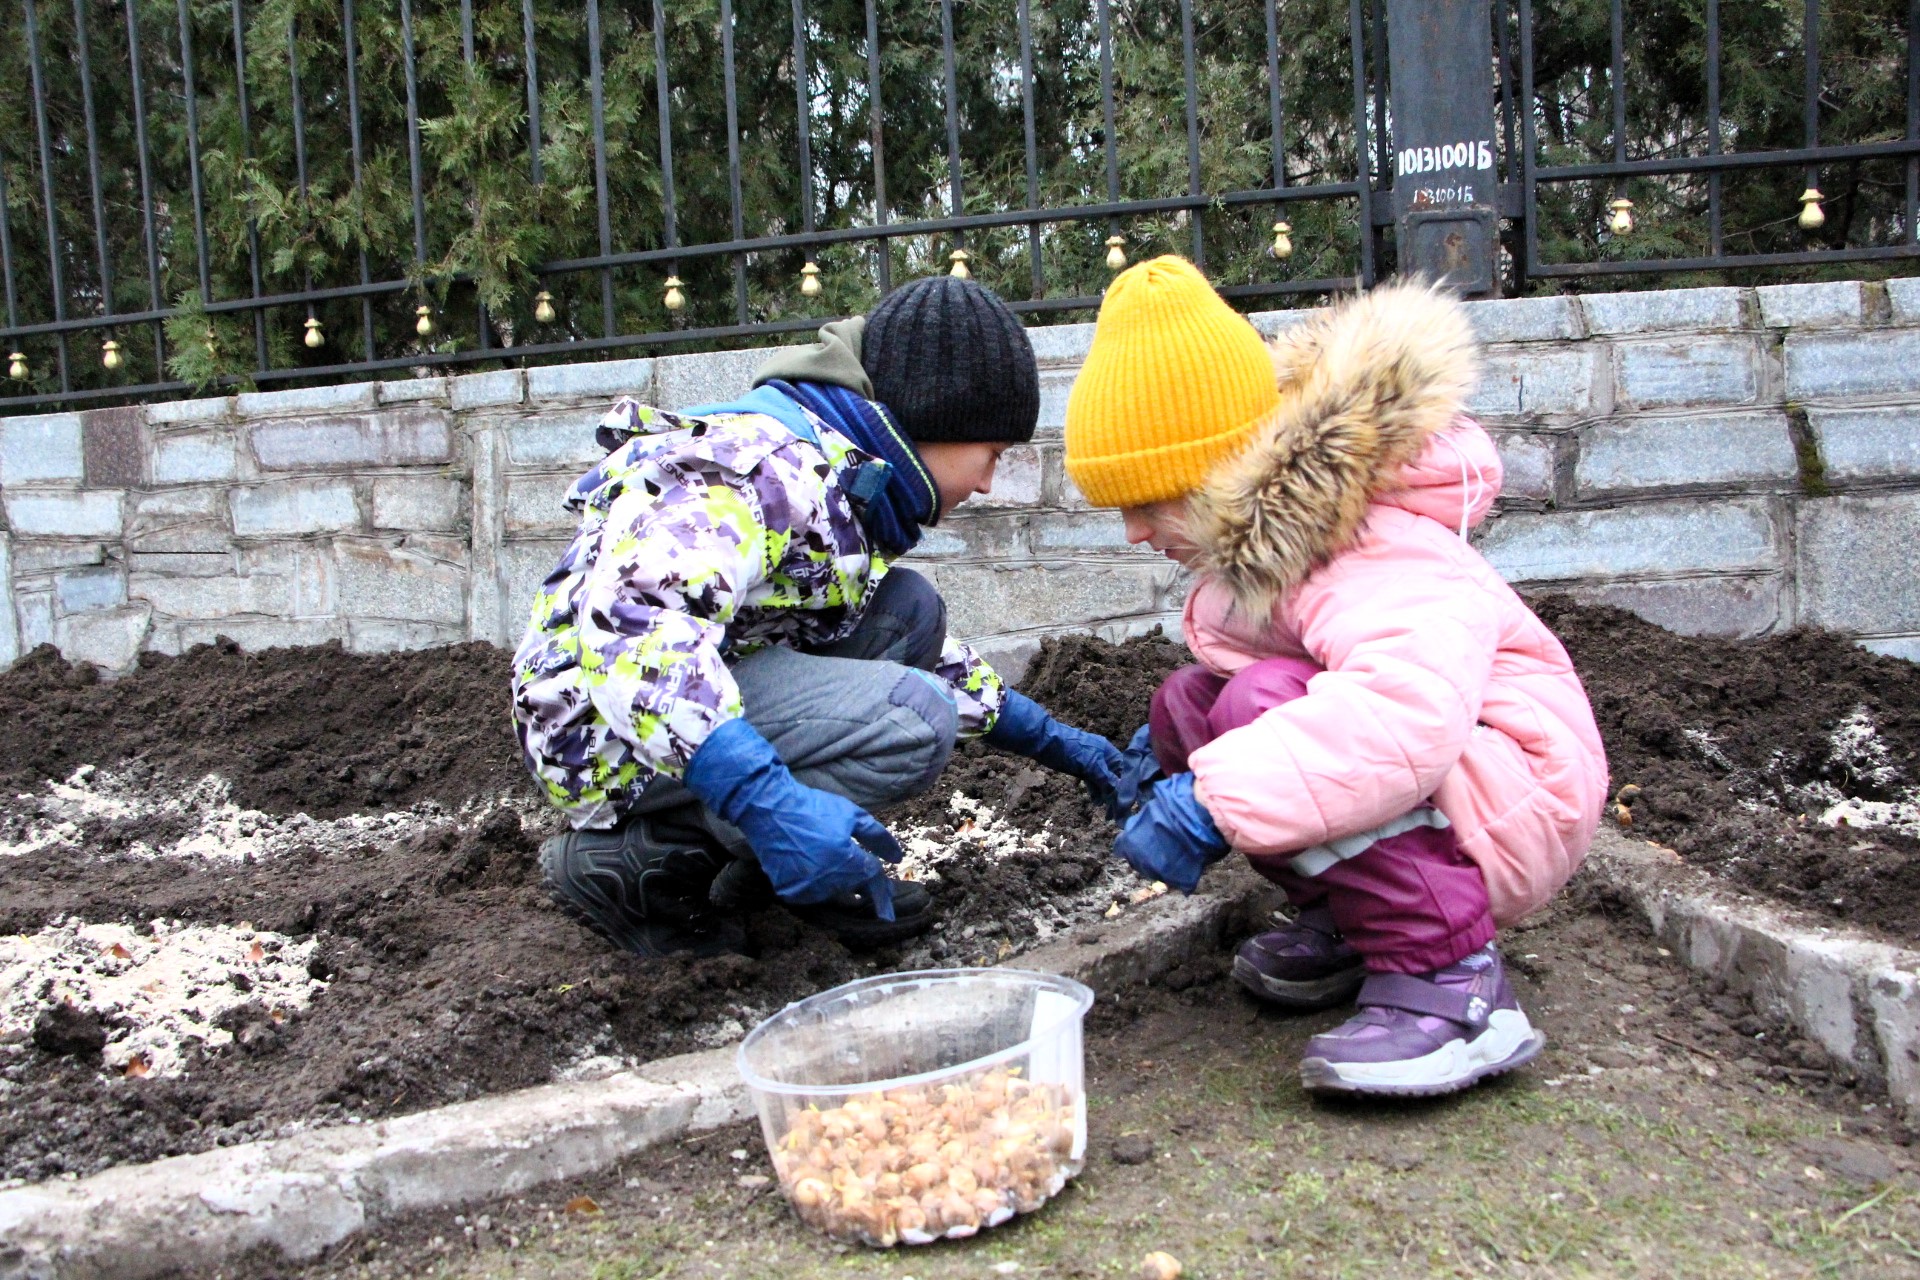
(1174, 383)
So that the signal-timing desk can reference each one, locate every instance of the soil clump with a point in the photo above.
(1788, 764)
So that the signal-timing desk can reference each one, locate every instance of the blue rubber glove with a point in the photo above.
(1172, 838)
(1025, 727)
(1139, 770)
(812, 844)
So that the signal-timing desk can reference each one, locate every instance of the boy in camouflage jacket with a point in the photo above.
(726, 670)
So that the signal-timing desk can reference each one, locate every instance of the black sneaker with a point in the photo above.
(642, 886)
(743, 887)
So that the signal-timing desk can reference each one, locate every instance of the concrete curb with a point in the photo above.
(303, 1194)
(1860, 999)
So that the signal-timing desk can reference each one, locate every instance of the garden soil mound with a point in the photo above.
(451, 975)
(1789, 764)
(311, 730)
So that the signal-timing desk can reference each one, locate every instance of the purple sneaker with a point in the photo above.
(1425, 1035)
(1306, 965)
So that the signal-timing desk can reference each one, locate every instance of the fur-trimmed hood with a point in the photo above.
(1365, 385)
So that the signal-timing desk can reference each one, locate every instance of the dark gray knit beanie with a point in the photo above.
(953, 363)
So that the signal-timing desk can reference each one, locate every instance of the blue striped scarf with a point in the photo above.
(895, 501)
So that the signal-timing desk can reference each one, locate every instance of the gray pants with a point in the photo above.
(862, 717)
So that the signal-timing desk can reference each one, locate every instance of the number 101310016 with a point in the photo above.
(1427, 196)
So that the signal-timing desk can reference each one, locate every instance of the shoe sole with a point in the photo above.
(1509, 1041)
(1321, 993)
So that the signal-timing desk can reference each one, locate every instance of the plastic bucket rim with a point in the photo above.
(1082, 994)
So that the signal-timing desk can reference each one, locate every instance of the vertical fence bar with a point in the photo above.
(483, 323)
(93, 156)
(54, 266)
(408, 59)
(1362, 147)
(1276, 106)
(246, 151)
(533, 95)
(138, 85)
(1715, 229)
(299, 135)
(733, 158)
(1528, 199)
(1812, 108)
(1913, 119)
(1038, 269)
(598, 89)
(1616, 29)
(1276, 98)
(1103, 12)
(1193, 133)
(664, 93)
(6, 251)
(359, 208)
(1382, 171)
(958, 202)
(876, 127)
(1506, 86)
(803, 116)
(191, 94)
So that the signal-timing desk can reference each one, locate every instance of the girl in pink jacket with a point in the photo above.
(1377, 721)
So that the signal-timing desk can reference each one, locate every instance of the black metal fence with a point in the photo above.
(212, 192)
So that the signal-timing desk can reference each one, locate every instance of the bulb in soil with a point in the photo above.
(1159, 1265)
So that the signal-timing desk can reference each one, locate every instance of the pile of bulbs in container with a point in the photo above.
(913, 1165)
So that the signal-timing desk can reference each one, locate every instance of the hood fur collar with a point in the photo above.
(1363, 384)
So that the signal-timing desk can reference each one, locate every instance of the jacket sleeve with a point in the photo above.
(672, 572)
(978, 690)
(1408, 642)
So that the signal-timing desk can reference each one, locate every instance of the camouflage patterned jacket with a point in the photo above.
(700, 541)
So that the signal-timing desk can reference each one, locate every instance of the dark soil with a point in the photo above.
(1729, 743)
(453, 978)
(452, 975)
(314, 730)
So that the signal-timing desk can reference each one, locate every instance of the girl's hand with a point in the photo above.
(1172, 838)
(1139, 770)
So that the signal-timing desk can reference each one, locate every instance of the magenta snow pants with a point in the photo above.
(1409, 903)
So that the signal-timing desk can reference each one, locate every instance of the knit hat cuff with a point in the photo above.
(1155, 475)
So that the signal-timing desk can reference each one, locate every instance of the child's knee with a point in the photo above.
(1178, 715)
(1258, 689)
(926, 724)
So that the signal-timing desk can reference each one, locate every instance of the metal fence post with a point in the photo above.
(1445, 185)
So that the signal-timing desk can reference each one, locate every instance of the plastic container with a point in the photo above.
(912, 1107)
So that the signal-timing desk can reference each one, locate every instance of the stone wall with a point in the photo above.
(1720, 460)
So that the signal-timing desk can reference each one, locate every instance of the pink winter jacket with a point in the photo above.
(1338, 537)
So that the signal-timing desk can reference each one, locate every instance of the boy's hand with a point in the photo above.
(1172, 838)
(812, 844)
(1139, 770)
(1025, 727)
